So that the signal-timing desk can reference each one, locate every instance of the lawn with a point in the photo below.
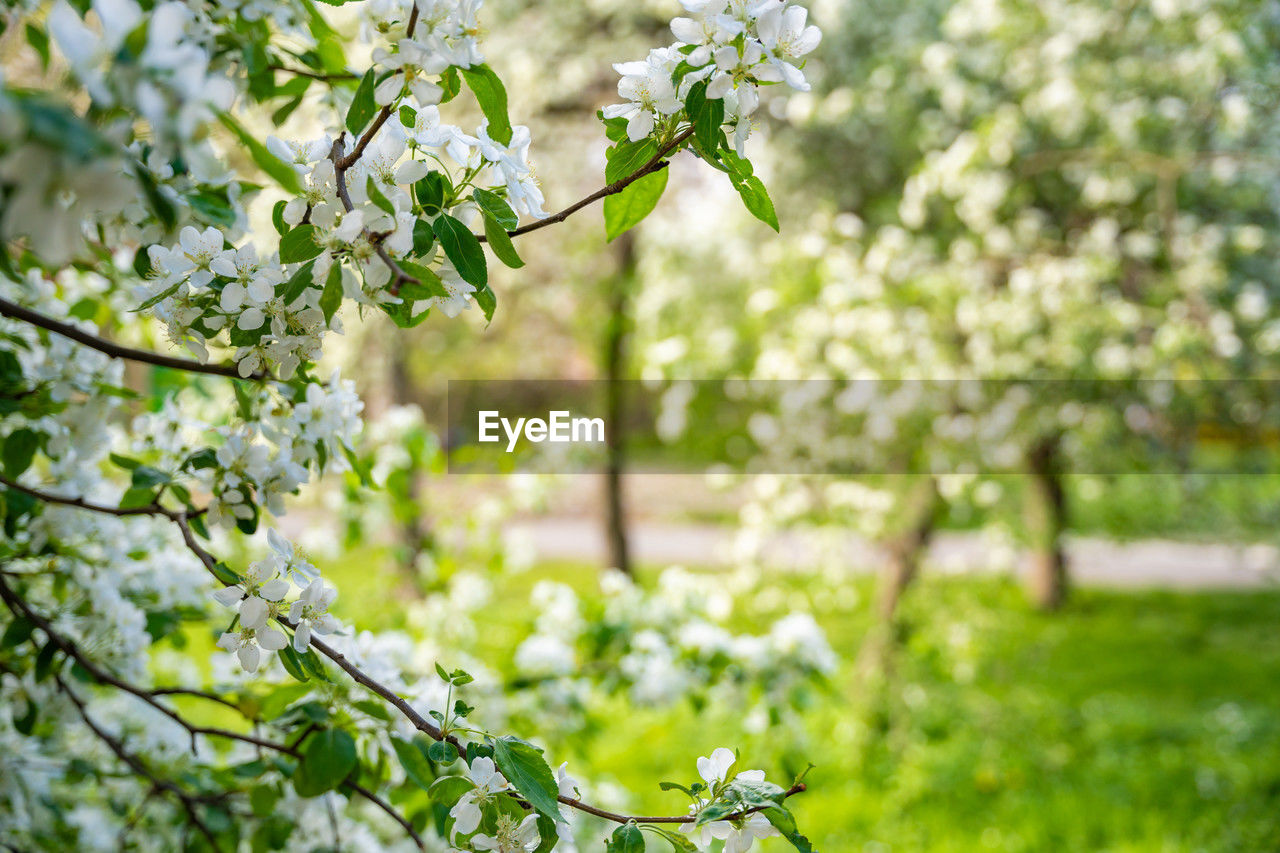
(1130, 721)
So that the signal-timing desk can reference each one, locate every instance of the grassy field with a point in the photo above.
(1131, 721)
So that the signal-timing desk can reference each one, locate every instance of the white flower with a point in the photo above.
(510, 837)
(310, 612)
(410, 62)
(466, 812)
(200, 247)
(300, 155)
(786, 39)
(259, 589)
(567, 785)
(459, 291)
(428, 132)
(648, 90)
(739, 72)
(743, 833)
(246, 642)
(713, 768)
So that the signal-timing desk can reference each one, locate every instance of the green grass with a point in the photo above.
(1129, 722)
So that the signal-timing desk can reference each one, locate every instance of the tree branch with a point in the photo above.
(419, 722)
(17, 312)
(135, 764)
(658, 161)
(344, 163)
(20, 607)
(81, 503)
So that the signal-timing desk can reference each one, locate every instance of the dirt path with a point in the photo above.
(1097, 562)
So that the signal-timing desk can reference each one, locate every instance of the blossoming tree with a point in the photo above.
(143, 180)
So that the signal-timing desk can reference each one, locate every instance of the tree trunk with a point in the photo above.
(907, 548)
(1047, 521)
(414, 532)
(615, 374)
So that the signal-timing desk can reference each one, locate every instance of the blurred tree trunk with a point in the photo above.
(413, 530)
(907, 548)
(1046, 522)
(615, 374)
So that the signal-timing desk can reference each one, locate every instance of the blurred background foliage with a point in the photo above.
(973, 188)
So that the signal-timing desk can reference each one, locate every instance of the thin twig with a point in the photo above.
(17, 312)
(81, 503)
(135, 764)
(20, 607)
(419, 722)
(658, 161)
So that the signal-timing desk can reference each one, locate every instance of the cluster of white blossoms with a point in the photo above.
(734, 45)
(116, 153)
(740, 834)
(170, 83)
(259, 599)
(668, 643)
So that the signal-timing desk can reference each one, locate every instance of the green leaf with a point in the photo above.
(331, 296)
(441, 752)
(677, 840)
(362, 105)
(625, 210)
(297, 283)
(18, 632)
(39, 41)
(375, 195)
(492, 98)
(757, 200)
(447, 790)
(523, 765)
(707, 115)
(19, 450)
(423, 237)
(496, 206)
(299, 245)
(293, 664)
(500, 242)
(328, 758)
(740, 795)
(487, 301)
(626, 158)
(280, 171)
(413, 758)
(431, 190)
(144, 476)
(626, 839)
(785, 823)
(277, 217)
(462, 248)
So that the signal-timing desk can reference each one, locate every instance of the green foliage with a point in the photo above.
(527, 771)
(327, 759)
(491, 95)
(280, 171)
(626, 839)
(624, 210)
(462, 249)
(299, 245)
(363, 107)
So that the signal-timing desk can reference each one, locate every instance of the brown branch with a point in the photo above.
(19, 607)
(362, 143)
(398, 275)
(658, 161)
(419, 722)
(135, 764)
(17, 312)
(81, 503)
(302, 72)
